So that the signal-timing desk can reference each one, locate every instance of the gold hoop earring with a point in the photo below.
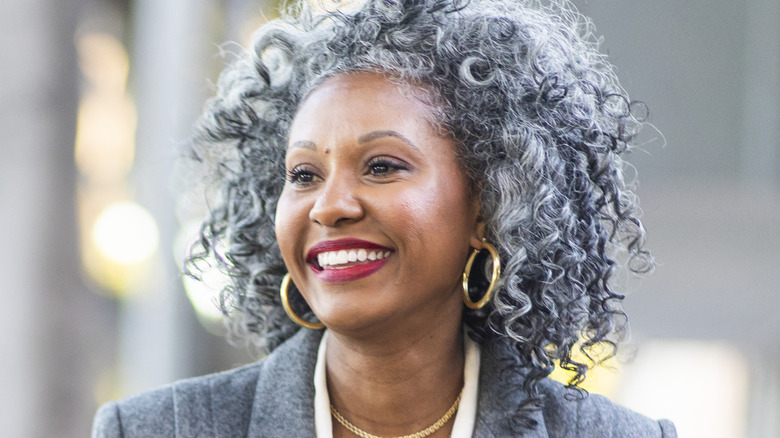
(493, 277)
(286, 304)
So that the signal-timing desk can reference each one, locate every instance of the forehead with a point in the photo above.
(365, 98)
(376, 81)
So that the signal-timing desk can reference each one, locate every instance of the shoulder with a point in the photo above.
(595, 415)
(154, 413)
(218, 404)
(150, 413)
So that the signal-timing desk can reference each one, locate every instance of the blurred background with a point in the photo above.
(99, 95)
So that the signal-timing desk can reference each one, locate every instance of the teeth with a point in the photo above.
(343, 257)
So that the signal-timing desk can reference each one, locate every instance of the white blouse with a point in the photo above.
(463, 426)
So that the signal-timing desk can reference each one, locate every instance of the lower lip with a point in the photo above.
(348, 274)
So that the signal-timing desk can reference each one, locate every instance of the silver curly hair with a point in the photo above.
(540, 123)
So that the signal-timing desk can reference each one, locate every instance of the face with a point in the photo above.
(376, 219)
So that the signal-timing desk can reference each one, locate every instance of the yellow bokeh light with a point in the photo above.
(105, 137)
(104, 62)
(118, 238)
(105, 134)
(125, 233)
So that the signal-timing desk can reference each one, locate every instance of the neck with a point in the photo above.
(396, 384)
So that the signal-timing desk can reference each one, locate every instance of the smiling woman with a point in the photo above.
(437, 187)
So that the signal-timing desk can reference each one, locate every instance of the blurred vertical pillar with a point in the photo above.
(168, 76)
(52, 329)
(759, 173)
(761, 150)
(764, 400)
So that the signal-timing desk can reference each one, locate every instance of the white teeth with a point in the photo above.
(342, 257)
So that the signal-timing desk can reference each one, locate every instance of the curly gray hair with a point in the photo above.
(539, 121)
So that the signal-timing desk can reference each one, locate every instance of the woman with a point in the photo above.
(437, 187)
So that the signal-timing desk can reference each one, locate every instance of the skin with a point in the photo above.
(364, 161)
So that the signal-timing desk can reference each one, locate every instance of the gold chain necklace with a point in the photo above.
(421, 434)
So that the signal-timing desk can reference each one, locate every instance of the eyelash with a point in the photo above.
(295, 175)
(390, 166)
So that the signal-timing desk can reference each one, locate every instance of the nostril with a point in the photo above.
(336, 208)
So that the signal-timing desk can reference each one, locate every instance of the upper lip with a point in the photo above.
(339, 244)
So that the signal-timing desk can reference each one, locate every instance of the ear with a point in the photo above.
(478, 233)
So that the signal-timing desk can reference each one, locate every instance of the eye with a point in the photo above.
(301, 176)
(384, 166)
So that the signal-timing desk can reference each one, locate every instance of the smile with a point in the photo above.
(346, 259)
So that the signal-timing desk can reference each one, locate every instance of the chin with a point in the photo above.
(357, 322)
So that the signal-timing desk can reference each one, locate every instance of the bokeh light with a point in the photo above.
(125, 233)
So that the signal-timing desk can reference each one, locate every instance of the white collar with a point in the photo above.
(463, 426)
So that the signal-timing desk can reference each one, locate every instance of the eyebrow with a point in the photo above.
(365, 138)
(373, 135)
(305, 144)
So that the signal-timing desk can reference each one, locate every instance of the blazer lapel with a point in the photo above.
(497, 402)
(284, 399)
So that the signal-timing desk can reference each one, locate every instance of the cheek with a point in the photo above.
(435, 218)
(285, 224)
(280, 217)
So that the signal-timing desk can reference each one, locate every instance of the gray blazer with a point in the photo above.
(275, 398)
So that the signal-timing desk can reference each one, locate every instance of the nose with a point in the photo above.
(337, 203)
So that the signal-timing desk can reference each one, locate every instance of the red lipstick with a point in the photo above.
(346, 260)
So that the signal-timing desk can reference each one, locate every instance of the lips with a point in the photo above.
(346, 259)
